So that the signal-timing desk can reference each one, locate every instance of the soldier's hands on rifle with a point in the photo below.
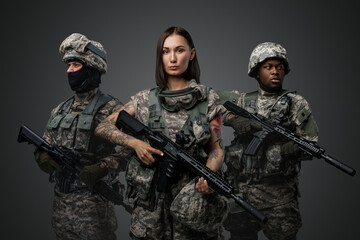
(242, 126)
(92, 173)
(144, 151)
(202, 186)
(46, 162)
(107, 129)
(290, 150)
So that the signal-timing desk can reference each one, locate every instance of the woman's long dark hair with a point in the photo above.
(193, 70)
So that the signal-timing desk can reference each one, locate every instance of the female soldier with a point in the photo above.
(180, 108)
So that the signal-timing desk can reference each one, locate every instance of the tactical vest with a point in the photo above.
(78, 137)
(76, 131)
(279, 111)
(196, 118)
(140, 178)
(263, 165)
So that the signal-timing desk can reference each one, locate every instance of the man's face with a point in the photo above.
(73, 66)
(271, 75)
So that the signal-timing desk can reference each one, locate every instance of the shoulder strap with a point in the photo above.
(284, 96)
(99, 100)
(65, 108)
(250, 100)
(87, 116)
(156, 120)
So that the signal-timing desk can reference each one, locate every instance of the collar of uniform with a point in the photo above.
(263, 93)
(202, 89)
(86, 96)
(188, 97)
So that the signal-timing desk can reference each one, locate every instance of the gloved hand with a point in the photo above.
(91, 174)
(46, 162)
(290, 150)
(243, 126)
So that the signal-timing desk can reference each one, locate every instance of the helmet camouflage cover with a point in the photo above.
(264, 51)
(79, 46)
(200, 212)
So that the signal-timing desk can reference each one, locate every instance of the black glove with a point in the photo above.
(91, 174)
(243, 126)
(46, 162)
(290, 150)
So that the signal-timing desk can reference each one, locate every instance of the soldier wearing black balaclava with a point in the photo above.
(79, 212)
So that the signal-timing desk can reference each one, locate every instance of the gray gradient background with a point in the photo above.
(322, 40)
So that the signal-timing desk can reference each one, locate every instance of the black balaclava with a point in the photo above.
(85, 79)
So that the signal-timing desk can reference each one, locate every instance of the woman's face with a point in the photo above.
(176, 54)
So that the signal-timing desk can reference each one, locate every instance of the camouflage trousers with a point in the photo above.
(284, 221)
(159, 225)
(82, 215)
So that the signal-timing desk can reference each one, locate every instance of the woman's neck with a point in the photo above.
(174, 83)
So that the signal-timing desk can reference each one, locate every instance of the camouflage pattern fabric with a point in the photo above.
(200, 212)
(79, 214)
(267, 50)
(157, 223)
(71, 138)
(283, 224)
(267, 180)
(82, 215)
(75, 46)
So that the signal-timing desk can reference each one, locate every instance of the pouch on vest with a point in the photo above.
(54, 123)
(140, 179)
(85, 122)
(68, 120)
(63, 110)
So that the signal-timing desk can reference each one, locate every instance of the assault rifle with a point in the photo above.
(175, 152)
(271, 127)
(70, 166)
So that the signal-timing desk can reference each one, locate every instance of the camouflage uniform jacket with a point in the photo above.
(67, 136)
(174, 121)
(268, 180)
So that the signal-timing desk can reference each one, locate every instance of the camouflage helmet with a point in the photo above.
(79, 46)
(264, 51)
(200, 212)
